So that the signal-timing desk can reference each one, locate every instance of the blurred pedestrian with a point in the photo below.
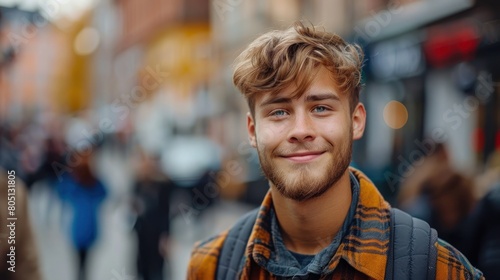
(44, 179)
(151, 203)
(84, 193)
(481, 234)
(444, 197)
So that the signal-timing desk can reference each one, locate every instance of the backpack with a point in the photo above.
(412, 254)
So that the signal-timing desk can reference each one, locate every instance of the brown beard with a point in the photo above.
(306, 187)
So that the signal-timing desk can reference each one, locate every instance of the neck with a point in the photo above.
(309, 226)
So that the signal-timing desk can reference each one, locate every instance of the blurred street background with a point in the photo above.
(135, 98)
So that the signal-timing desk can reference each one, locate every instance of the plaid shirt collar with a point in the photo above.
(363, 246)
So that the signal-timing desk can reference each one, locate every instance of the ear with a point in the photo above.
(358, 121)
(251, 130)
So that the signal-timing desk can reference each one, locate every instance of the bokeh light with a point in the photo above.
(395, 114)
(86, 41)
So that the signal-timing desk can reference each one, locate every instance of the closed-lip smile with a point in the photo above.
(303, 157)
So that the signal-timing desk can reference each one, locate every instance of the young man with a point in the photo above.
(321, 219)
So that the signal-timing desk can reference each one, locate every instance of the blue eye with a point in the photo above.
(319, 109)
(278, 113)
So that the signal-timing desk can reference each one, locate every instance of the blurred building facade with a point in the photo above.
(30, 47)
(438, 62)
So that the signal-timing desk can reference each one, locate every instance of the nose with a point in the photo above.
(302, 129)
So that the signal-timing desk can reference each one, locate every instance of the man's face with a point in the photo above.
(305, 144)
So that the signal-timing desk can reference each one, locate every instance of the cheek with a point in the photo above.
(334, 132)
(269, 136)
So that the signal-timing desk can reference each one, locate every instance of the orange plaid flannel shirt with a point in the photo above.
(361, 254)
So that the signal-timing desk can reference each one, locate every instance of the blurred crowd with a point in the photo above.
(464, 209)
(60, 155)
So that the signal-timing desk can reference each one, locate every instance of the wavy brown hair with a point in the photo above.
(279, 59)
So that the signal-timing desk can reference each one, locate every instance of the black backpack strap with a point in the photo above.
(412, 254)
(234, 247)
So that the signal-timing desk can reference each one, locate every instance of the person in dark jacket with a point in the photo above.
(482, 239)
(151, 203)
(447, 199)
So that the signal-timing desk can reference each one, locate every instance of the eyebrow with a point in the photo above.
(276, 100)
(309, 98)
(322, 96)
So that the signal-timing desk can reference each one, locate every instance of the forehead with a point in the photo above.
(322, 82)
